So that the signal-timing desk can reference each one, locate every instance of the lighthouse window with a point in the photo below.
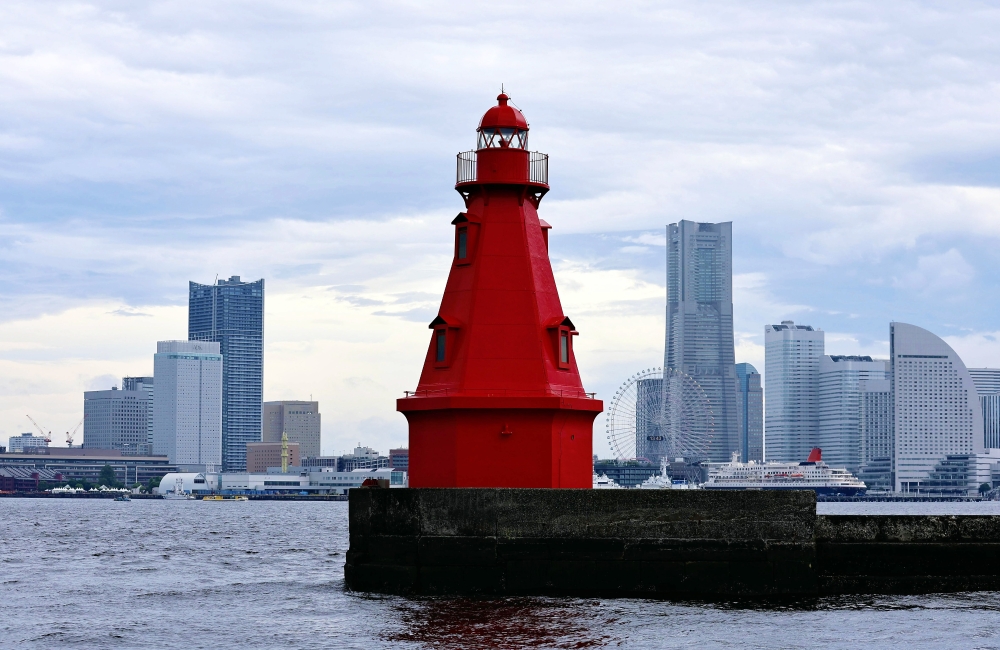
(564, 347)
(463, 238)
(497, 138)
(440, 337)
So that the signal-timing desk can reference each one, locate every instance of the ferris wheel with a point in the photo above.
(660, 413)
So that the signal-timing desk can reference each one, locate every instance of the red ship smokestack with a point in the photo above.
(500, 402)
(815, 455)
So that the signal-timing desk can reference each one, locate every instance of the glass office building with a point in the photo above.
(700, 322)
(231, 313)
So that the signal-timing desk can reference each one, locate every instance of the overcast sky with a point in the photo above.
(855, 146)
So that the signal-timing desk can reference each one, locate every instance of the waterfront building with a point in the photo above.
(117, 419)
(25, 442)
(751, 410)
(875, 424)
(960, 475)
(936, 411)
(321, 482)
(300, 421)
(231, 313)
(626, 473)
(78, 464)
(399, 459)
(363, 458)
(143, 384)
(24, 479)
(987, 381)
(263, 455)
(187, 411)
(699, 339)
(838, 405)
(791, 374)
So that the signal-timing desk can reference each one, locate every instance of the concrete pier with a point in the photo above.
(654, 543)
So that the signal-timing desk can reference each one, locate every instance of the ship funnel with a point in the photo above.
(815, 455)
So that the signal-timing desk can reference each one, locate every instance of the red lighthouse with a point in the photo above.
(500, 402)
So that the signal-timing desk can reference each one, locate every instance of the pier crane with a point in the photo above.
(46, 436)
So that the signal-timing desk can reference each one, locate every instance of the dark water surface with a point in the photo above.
(176, 574)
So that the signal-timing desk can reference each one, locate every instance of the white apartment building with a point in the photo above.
(187, 411)
(936, 410)
(791, 371)
(839, 406)
(25, 442)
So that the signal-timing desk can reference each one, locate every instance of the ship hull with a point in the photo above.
(832, 490)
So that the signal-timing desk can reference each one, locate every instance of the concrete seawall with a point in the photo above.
(654, 543)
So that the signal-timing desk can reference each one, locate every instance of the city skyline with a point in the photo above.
(860, 180)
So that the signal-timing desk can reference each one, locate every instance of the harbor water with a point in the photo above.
(78, 573)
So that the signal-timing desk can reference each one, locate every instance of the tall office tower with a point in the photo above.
(187, 411)
(839, 406)
(300, 420)
(791, 373)
(987, 381)
(231, 313)
(875, 419)
(699, 338)
(936, 407)
(145, 384)
(117, 419)
(751, 404)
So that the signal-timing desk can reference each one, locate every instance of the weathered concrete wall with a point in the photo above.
(666, 543)
(906, 554)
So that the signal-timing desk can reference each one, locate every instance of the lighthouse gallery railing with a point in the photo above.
(537, 172)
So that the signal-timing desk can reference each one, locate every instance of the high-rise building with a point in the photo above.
(145, 384)
(299, 420)
(875, 419)
(699, 339)
(231, 313)
(751, 404)
(839, 406)
(117, 419)
(987, 381)
(791, 374)
(936, 411)
(187, 411)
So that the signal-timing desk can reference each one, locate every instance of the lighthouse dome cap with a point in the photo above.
(503, 116)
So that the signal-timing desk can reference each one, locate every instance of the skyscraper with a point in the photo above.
(935, 403)
(231, 313)
(875, 419)
(839, 406)
(987, 381)
(699, 339)
(751, 404)
(143, 384)
(117, 419)
(791, 371)
(300, 420)
(187, 411)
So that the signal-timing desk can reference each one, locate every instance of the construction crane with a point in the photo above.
(69, 436)
(46, 436)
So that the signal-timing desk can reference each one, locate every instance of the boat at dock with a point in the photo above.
(219, 497)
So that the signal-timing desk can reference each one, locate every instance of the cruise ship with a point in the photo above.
(813, 474)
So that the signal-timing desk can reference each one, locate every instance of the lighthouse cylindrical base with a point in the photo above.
(532, 442)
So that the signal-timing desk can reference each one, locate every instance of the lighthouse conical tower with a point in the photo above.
(500, 402)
